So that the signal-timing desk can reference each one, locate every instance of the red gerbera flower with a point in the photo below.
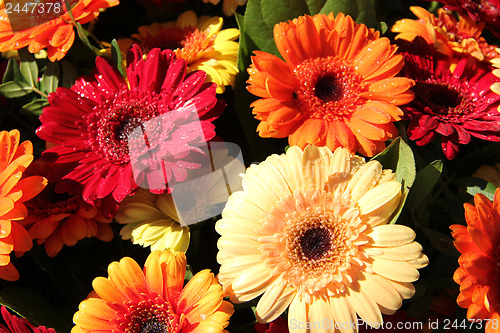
(487, 11)
(124, 134)
(453, 105)
(15, 324)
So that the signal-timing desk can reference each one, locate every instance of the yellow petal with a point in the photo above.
(395, 270)
(391, 235)
(274, 301)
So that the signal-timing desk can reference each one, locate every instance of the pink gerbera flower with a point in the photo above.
(144, 131)
(453, 105)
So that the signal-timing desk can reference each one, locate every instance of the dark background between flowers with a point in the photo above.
(50, 289)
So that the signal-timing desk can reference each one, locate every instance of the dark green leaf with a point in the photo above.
(30, 304)
(12, 72)
(362, 11)
(50, 77)
(36, 106)
(398, 156)
(28, 66)
(425, 181)
(116, 57)
(69, 74)
(13, 89)
(477, 185)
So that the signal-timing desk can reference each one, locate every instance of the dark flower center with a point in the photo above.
(117, 125)
(49, 202)
(154, 326)
(315, 243)
(328, 88)
(441, 98)
(167, 38)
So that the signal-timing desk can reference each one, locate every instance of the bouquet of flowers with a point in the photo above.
(249, 166)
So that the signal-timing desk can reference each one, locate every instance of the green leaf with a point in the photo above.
(262, 15)
(36, 106)
(28, 66)
(13, 89)
(398, 156)
(50, 77)
(30, 304)
(12, 72)
(69, 74)
(362, 11)
(116, 57)
(475, 185)
(425, 181)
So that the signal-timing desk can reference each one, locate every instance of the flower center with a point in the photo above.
(151, 316)
(196, 45)
(328, 88)
(51, 203)
(312, 239)
(442, 99)
(315, 243)
(166, 39)
(116, 126)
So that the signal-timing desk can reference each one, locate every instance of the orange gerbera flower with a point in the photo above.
(14, 191)
(55, 33)
(446, 33)
(154, 300)
(335, 87)
(479, 271)
(57, 219)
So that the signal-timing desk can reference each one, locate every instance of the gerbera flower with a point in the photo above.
(198, 40)
(448, 35)
(54, 33)
(142, 132)
(228, 6)
(335, 87)
(154, 300)
(451, 105)
(479, 244)
(486, 11)
(13, 324)
(310, 232)
(14, 191)
(151, 220)
(57, 219)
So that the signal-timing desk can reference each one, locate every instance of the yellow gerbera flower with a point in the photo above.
(151, 221)
(199, 40)
(309, 232)
(154, 300)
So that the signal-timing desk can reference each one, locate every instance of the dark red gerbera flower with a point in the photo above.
(453, 105)
(144, 131)
(487, 11)
(13, 324)
(279, 325)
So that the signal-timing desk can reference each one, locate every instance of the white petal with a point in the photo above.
(251, 278)
(400, 271)
(236, 225)
(234, 266)
(297, 316)
(343, 314)
(364, 179)
(378, 289)
(274, 301)
(408, 251)
(320, 315)
(315, 164)
(268, 174)
(420, 262)
(386, 196)
(391, 235)
(365, 307)
(236, 246)
(238, 206)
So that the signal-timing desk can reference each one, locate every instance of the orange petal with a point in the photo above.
(277, 68)
(22, 239)
(312, 131)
